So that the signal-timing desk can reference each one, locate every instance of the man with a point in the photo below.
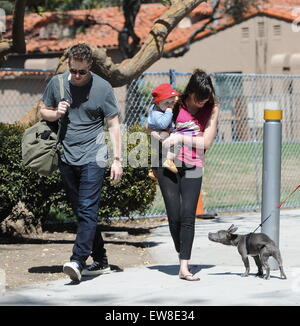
(89, 101)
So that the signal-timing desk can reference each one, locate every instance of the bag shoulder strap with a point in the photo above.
(61, 86)
(62, 95)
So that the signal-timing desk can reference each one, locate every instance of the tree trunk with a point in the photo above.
(18, 38)
(129, 69)
(151, 51)
(19, 44)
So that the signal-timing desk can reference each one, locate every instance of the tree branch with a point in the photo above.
(184, 49)
(18, 36)
(121, 74)
(236, 9)
(130, 9)
(152, 48)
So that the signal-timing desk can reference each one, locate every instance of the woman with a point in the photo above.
(195, 115)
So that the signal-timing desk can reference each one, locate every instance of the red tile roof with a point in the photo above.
(285, 3)
(105, 36)
(97, 35)
(14, 73)
(280, 9)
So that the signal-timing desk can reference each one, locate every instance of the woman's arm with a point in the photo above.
(211, 128)
(203, 141)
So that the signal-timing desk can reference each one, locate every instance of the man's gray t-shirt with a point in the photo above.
(82, 127)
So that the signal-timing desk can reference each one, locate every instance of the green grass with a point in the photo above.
(60, 214)
(233, 177)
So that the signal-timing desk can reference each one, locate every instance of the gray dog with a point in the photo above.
(257, 245)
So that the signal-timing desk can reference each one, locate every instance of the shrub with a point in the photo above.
(135, 192)
(17, 183)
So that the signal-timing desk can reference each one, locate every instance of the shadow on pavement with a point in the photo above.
(138, 244)
(46, 269)
(59, 269)
(239, 274)
(174, 269)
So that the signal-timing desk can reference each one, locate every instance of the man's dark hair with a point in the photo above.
(81, 52)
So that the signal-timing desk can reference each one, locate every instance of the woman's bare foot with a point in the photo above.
(189, 277)
(184, 271)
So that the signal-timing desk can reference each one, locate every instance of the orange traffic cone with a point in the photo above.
(200, 207)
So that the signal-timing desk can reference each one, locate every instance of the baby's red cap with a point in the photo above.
(162, 92)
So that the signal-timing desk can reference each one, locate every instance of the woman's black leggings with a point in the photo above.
(181, 192)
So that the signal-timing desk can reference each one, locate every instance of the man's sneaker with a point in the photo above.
(96, 269)
(73, 270)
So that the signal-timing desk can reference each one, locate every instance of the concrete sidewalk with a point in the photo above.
(218, 266)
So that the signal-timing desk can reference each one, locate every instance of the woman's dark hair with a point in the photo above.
(201, 86)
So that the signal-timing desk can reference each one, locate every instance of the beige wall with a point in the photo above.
(271, 47)
(229, 51)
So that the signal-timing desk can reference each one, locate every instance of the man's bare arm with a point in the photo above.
(52, 114)
(115, 135)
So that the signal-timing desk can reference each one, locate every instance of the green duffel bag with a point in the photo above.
(41, 148)
(40, 144)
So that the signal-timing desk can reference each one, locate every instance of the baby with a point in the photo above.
(160, 116)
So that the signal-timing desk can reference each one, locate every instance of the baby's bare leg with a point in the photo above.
(163, 135)
(169, 162)
(160, 135)
(155, 134)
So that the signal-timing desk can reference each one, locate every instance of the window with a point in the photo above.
(245, 32)
(261, 29)
(277, 30)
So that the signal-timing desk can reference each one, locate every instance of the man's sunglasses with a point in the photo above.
(80, 72)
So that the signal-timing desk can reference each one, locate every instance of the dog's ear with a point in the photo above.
(232, 228)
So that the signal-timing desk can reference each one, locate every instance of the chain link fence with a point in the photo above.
(20, 89)
(233, 167)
